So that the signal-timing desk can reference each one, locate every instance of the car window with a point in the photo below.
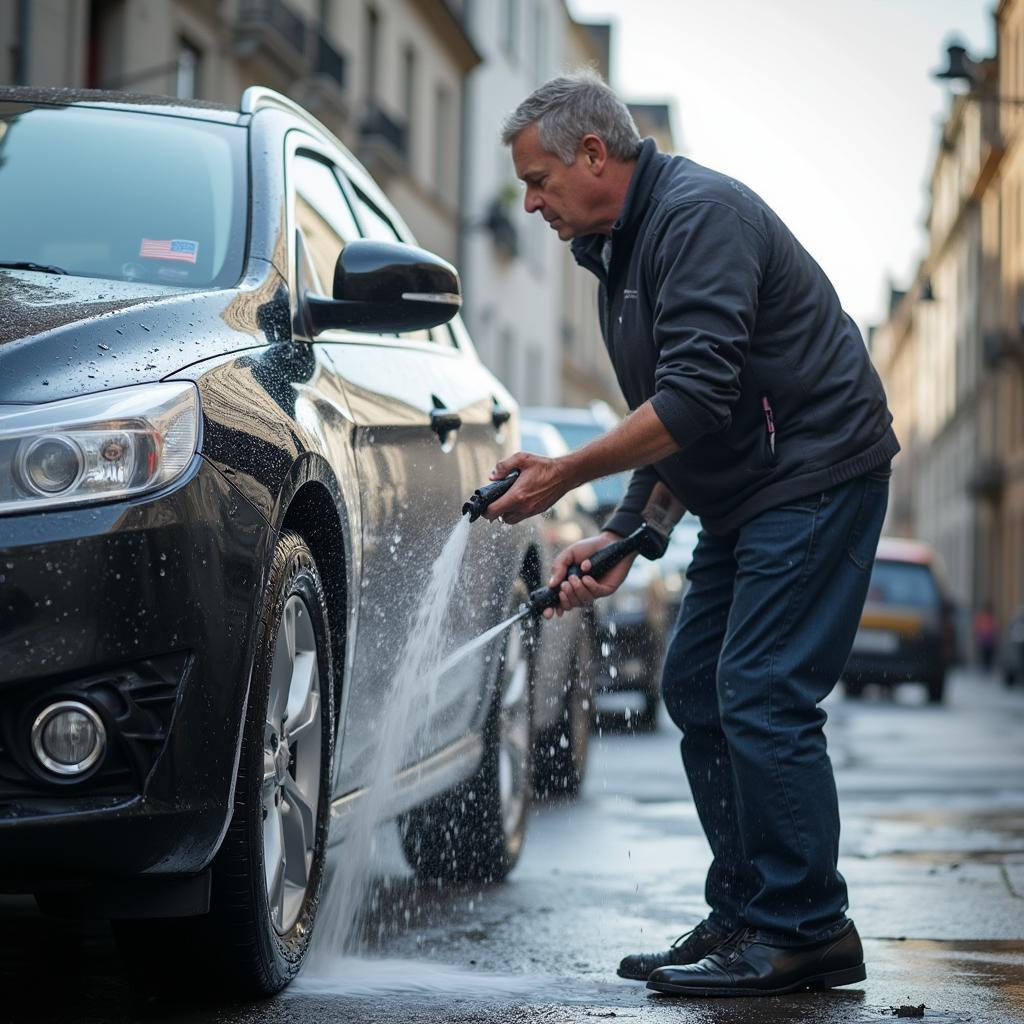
(322, 215)
(902, 584)
(377, 225)
(123, 195)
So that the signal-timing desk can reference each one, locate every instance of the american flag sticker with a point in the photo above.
(169, 249)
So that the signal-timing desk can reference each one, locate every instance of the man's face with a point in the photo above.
(565, 196)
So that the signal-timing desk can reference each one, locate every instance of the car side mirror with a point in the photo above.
(386, 287)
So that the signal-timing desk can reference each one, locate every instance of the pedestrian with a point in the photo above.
(985, 632)
(754, 401)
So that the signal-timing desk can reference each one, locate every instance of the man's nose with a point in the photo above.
(532, 202)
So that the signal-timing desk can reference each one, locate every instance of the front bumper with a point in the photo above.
(145, 610)
(914, 659)
(631, 655)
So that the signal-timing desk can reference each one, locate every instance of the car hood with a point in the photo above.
(65, 336)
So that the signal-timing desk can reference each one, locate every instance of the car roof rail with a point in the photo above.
(259, 97)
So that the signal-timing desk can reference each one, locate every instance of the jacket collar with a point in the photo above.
(587, 248)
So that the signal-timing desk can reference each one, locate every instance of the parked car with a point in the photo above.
(1013, 649)
(238, 418)
(633, 623)
(682, 543)
(907, 630)
(567, 647)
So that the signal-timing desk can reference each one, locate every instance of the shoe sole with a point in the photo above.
(634, 977)
(831, 979)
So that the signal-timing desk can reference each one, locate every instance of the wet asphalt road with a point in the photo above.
(933, 850)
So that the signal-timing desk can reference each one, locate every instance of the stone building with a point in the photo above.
(386, 76)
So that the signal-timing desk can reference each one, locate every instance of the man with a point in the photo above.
(754, 401)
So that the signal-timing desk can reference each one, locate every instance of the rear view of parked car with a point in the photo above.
(907, 630)
(236, 403)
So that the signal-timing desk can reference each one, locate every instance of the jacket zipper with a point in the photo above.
(769, 425)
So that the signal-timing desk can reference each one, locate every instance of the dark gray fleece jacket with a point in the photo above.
(711, 309)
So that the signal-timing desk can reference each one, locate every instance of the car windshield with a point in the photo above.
(609, 489)
(904, 584)
(122, 195)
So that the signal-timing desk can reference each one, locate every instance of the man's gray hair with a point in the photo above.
(570, 106)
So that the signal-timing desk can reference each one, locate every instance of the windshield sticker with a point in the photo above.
(169, 249)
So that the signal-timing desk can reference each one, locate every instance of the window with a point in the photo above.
(372, 54)
(540, 44)
(510, 28)
(101, 220)
(377, 225)
(186, 86)
(375, 222)
(442, 143)
(323, 217)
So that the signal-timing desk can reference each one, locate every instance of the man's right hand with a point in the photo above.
(577, 591)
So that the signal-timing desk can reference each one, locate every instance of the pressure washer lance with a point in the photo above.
(483, 496)
(662, 512)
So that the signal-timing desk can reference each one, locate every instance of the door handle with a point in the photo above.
(443, 422)
(500, 416)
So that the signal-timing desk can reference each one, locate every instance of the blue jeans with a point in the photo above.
(762, 637)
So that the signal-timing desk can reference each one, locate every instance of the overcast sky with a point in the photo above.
(824, 107)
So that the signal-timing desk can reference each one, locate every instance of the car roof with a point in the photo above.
(105, 98)
(550, 441)
(900, 549)
(586, 417)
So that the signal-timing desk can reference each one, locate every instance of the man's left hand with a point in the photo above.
(541, 483)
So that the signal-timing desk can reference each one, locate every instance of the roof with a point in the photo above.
(60, 97)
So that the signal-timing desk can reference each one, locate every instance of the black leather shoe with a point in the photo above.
(687, 949)
(742, 966)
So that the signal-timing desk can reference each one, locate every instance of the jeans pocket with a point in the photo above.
(862, 541)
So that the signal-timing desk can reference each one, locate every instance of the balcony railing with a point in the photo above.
(328, 61)
(987, 478)
(384, 142)
(277, 16)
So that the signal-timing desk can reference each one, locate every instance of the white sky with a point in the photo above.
(826, 108)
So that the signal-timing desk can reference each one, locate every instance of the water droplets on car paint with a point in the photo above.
(406, 712)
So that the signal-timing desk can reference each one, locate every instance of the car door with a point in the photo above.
(403, 393)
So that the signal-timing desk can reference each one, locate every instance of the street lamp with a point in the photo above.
(961, 67)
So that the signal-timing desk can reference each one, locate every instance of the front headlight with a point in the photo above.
(97, 447)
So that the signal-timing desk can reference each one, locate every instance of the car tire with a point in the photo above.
(560, 752)
(853, 690)
(936, 688)
(475, 831)
(268, 874)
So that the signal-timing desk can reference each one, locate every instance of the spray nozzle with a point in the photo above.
(644, 540)
(483, 496)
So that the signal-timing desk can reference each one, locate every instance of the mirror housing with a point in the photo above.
(385, 287)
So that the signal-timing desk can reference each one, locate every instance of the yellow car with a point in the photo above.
(907, 631)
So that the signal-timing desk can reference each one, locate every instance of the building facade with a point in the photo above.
(385, 76)
(952, 350)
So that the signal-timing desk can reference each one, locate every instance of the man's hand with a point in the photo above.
(541, 483)
(577, 591)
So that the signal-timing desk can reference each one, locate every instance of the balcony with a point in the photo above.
(503, 230)
(1001, 347)
(383, 143)
(986, 480)
(327, 61)
(271, 29)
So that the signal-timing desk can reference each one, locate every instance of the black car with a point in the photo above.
(237, 425)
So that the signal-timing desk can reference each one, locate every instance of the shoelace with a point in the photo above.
(736, 944)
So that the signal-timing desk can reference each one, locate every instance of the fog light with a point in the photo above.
(68, 738)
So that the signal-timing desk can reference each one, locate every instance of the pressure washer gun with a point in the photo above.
(662, 512)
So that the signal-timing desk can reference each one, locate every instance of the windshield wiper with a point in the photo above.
(43, 268)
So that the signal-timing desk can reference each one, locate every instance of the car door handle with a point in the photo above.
(500, 416)
(443, 422)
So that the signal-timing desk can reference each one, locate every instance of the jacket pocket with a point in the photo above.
(769, 438)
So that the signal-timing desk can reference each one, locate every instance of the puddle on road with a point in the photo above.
(355, 977)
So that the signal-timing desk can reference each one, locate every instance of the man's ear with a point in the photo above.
(593, 153)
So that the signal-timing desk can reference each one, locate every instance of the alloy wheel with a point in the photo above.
(291, 765)
(514, 733)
